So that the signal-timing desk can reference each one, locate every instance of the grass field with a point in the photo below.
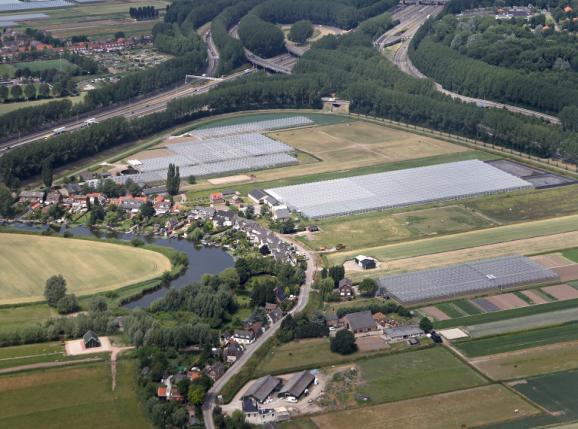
(532, 321)
(415, 374)
(558, 393)
(10, 107)
(529, 362)
(467, 307)
(39, 65)
(461, 409)
(13, 318)
(26, 261)
(71, 397)
(506, 314)
(28, 354)
(378, 228)
(519, 340)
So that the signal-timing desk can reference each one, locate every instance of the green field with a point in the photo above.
(467, 307)
(378, 228)
(39, 65)
(465, 240)
(415, 374)
(558, 393)
(451, 310)
(571, 254)
(506, 314)
(28, 354)
(71, 397)
(10, 107)
(26, 261)
(13, 318)
(518, 340)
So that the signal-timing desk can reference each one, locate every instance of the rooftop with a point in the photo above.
(360, 320)
(297, 384)
(262, 388)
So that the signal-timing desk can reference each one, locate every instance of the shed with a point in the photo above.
(365, 262)
(297, 384)
(262, 388)
(402, 333)
(91, 340)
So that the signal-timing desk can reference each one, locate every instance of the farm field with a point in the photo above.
(28, 354)
(414, 374)
(13, 318)
(518, 340)
(533, 321)
(558, 393)
(26, 261)
(529, 362)
(71, 397)
(465, 408)
(377, 228)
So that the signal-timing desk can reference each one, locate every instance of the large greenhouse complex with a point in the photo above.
(251, 127)
(490, 275)
(421, 185)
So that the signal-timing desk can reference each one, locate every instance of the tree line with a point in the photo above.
(143, 13)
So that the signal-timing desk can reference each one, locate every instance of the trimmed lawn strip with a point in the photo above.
(451, 310)
(468, 307)
(524, 298)
(518, 340)
(506, 314)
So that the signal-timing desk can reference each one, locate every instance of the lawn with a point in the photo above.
(26, 261)
(529, 362)
(39, 65)
(461, 409)
(506, 314)
(28, 354)
(10, 107)
(378, 228)
(71, 397)
(415, 374)
(519, 340)
(14, 318)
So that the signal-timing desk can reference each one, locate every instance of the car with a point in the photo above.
(332, 328)
(291, 399)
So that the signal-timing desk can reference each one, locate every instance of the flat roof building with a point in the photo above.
(402, 333)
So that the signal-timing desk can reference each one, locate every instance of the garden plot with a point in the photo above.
(567, 273)
(508, 301)
(561, 292)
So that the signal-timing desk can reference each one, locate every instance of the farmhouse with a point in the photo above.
(281, 213)
(91, 340)
(359, 322)
(346, 289)
(31, 196)
(275, 315)
(243, 336)
(365, 262)
(297, 385)
(232, 351)
(262, 388)
(402, 333)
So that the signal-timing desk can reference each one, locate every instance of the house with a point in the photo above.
(365, 262)
(216, 198)
(250, 408)
(162, 207)
(262, 388)
(270, 201)
(402, 333)
(215, 371)
(31, 197)
(269, 307)
(279, 295)
(155, 190)
(257, 196)
(168, 391)
(256, 328)
(79, 202)
(194, 374)
(335, 105)
(281, 213)
(232, 351)
(360, 322)
(53, 198)
(332, 320)
(346, 289)
(275, 315)
(91, 340)
(297, 385)
(243, 336)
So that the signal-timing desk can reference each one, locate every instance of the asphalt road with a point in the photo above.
(212, 394)
(411, 19)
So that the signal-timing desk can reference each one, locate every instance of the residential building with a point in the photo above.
(360, 322)
(91, 340)
(346, 290)
(243, 336)
(31, 197)
(275, 315)
(257, 196)
(232, 351)
(281, 213)
(215, 371)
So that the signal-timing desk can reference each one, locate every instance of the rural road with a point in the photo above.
(411, 19)
(211, 397)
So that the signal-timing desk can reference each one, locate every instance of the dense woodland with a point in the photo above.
(261, 37)
(508, 62)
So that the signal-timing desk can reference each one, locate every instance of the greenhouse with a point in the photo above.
(252, 127)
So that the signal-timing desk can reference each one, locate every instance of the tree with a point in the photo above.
(337, 273)
(301, 31)
(287, 330)
(98, 305)
(368, 288)
(30, 91)
(4, 93)
(55, 289)
(326, 287)
(16, 92)
(133, 188)
(6, 201)
(343, 342)
(425, 324)
(119, 35)
(243, 269)
(196, 394)
(173, 180)
(191, 180)
(43, 90)
(47, 172)
(147, 209)
(67, 304)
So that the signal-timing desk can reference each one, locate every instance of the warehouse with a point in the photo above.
(297, 385)
(422, 185)
(490, 275)
(262, 388)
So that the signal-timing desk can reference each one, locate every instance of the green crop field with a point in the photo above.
(467, 307)
(451, 310)
(26, 261)
(415, 374)
(506, 314)
(518, 340)
(378, 228)
(558, 393)
(71, 397)
(476, 407)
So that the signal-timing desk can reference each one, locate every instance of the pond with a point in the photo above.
(202, 260)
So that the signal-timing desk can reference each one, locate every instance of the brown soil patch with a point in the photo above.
(507, 301)
(567, 273)
(230, 179)
(435, 313)
(537, 299)
(561, 292)
(553, 260)
(371, 343)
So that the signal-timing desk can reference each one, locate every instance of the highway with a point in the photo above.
(411, 19)
(212, 394)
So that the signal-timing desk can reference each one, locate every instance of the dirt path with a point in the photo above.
(47, 365)
(115, 352)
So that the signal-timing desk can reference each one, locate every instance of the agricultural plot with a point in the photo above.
(465, 408)
(558, 393)
(26, 261)
(71, 397)
(518, 340)
(14, 318)
(529, 362)
(412, 374)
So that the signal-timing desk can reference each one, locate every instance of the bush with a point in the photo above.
(67, 304)
(301, 31)
(343, 343)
